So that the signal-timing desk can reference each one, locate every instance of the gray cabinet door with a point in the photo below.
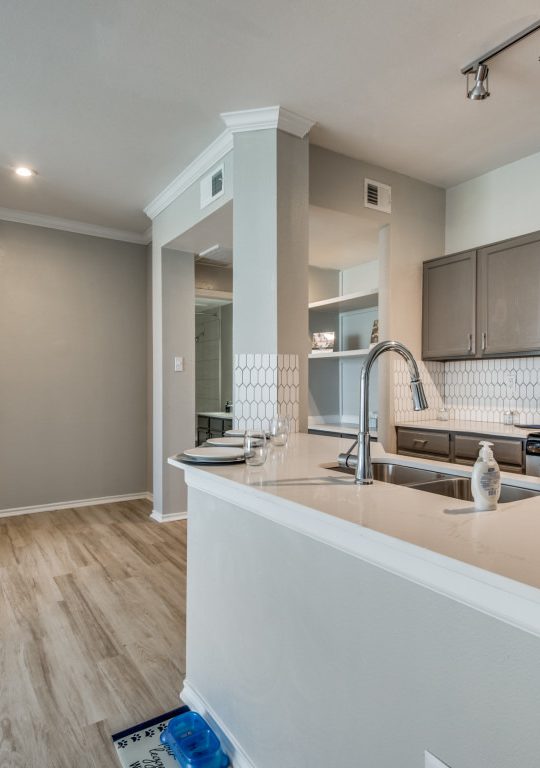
(449, 307)
(509, 297)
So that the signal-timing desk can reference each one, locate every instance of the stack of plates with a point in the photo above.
(212, 455)
(235, 433)
(227, 442)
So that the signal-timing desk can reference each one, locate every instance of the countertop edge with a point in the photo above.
(498, 596)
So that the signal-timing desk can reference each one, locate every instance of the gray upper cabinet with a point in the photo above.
(483, 303)
(509, 297)
(449, 307)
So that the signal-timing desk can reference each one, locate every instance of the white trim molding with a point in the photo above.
(159, 517)
(190, 696)
(78, 227)
(74, 504)
(236, 122)
(207, 159)
(267, 117)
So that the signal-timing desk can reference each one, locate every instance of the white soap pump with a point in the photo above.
(486, 479)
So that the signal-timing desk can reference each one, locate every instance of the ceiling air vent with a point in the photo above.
(377, 196)
(212, 186)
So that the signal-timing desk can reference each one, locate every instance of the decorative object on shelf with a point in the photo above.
(375, 333)
(323, 341)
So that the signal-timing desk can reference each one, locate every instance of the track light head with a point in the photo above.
(480, 89)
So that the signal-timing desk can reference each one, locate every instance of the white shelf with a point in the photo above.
(345, 353)
(348, 303)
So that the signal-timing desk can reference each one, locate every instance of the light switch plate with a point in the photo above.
(178, 364)
(433, 762)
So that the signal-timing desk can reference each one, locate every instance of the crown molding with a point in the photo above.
(215, 152)
(78, 227)
(236, 122)
(267, 117)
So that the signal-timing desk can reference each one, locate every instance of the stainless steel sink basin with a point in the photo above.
(431, 481)
(460, 488)
(398, 474)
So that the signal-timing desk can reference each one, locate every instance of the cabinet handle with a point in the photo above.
(469, 348)
(419, 442)
(484, 341)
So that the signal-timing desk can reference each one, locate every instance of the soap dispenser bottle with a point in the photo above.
(486, 479)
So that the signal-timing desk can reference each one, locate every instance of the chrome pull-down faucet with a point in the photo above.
(364, 472)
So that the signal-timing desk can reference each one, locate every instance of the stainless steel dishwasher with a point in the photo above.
(532, 454)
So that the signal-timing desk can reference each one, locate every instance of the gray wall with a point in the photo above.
(73, 354)
(323, 283)
(213, 278)
(174, 397)
(348, 664)
(149, 383)
(412, 233)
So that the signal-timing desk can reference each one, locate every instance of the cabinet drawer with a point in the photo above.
(509, 452)
(227, 424)
(418, 442)
(517, 469)
(203, 422)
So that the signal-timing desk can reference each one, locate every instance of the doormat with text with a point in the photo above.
(140, 747)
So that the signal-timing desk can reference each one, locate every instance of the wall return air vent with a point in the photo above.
(212, 186)
(377, 196)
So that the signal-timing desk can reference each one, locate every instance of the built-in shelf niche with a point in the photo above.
(334, 377)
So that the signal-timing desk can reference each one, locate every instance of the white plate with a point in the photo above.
(232, 442)
(235, 433)
(209, 453)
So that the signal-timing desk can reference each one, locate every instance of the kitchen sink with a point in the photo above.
(441, 483)
(398, 474)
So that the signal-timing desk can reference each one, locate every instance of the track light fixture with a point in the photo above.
(478, 68)
(480, 89)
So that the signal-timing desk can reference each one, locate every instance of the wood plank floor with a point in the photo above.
(92, 630)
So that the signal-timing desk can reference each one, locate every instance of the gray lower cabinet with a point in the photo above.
(483, 303)
(449, 307)
(509, 297)
(508, 453)
(428, 444)
(211, 427)
(460, 448)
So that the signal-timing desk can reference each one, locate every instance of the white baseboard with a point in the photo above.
(190, 696)
(72, 504)
(159, 517)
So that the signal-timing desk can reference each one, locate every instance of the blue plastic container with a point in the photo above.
(193, 742)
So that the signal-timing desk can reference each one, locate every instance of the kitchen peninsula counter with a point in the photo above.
(401, 610)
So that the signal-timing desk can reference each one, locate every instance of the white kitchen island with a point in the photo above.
(334, 624)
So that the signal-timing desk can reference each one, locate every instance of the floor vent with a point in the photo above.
(377, 196)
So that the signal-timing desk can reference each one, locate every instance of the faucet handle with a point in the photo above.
(346, 460)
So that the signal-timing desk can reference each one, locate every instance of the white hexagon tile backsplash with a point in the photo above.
(481, 390)
(473, 390)
(265, 385)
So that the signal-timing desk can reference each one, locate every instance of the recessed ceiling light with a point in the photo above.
(22, 170)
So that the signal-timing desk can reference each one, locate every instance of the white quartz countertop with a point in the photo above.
(215, 414)
(474, 427)
(438, 541)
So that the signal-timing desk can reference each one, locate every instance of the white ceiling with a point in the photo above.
(111, 99)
